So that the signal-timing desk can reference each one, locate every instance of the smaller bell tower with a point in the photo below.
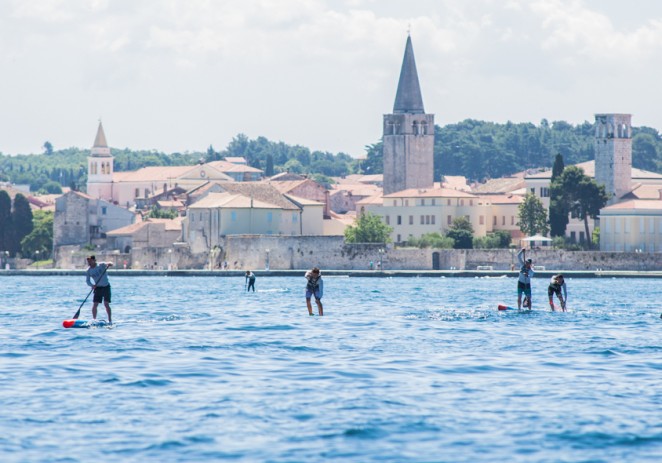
(100, 168)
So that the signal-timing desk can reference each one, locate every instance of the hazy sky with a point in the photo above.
(180, 75)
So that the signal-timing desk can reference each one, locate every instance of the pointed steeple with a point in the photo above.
(100, 148)
(100, 140)
(408, 99)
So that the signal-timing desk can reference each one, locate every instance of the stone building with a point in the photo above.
(80, 219)
(408, 140)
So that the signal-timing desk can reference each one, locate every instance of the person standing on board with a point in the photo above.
(97, 278)
(556, 286)
(524, 280)
(314, 287)
(250, 281)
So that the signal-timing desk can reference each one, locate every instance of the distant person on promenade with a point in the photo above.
(557, 286)
(524, 279)
(250, 281)
(97, 278)
(314, 287)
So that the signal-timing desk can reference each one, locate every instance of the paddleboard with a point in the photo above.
(505, 307)
(85, 323)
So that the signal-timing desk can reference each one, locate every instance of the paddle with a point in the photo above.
(77, 314)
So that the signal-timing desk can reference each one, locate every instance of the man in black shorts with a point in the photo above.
(556, 286)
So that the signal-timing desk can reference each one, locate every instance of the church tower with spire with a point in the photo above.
(408, 140)
(100, 168)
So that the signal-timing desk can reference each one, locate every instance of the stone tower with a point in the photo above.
(613, 154)
(408, 140)
(100, 168)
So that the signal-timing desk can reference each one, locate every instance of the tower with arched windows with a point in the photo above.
(100, 168)
(613, 154)
(408, 140)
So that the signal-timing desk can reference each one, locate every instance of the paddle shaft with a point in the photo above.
(77, 314)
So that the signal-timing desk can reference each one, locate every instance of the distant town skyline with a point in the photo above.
(183, 75)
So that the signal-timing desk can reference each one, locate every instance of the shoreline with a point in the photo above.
(345, 273)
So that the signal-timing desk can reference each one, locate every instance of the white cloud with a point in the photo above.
(314, 72)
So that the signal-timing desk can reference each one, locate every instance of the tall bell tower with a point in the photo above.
(100, 168)
(613, 154)
(408, 140)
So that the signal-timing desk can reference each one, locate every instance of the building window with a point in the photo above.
(533, 191)
(411, 220)
(146, 192)
(422, 201)
(399, 239)
(104, 210)
(494, 220)
(422, 220)
(433, 201)
(448, 202)
(503, 220)
(481, 220)
(432, 219)
(427, 220)
(387, 219)
(450, 220)
(399, 221)
(544, 192)
(137, 193)
(512, 220)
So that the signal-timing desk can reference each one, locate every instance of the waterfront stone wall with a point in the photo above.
(260, 252)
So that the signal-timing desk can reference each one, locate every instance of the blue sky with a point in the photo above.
(183, 74)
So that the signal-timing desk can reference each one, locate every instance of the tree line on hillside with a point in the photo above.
(478, 150)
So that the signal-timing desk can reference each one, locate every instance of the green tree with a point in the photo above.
(461, 232)
(584, 196)
(269, 170)
(374, 161)
(432, 240)
(156, 213)
(5, 221)
(532, 216)
(558, 207)
(212, 155)
(499, 239)
(51, 188)
(41, 237)
(368, 228)
(294, 166)
(48, 148)
(21, 221)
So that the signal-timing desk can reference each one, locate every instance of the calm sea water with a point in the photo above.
(398, 370)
